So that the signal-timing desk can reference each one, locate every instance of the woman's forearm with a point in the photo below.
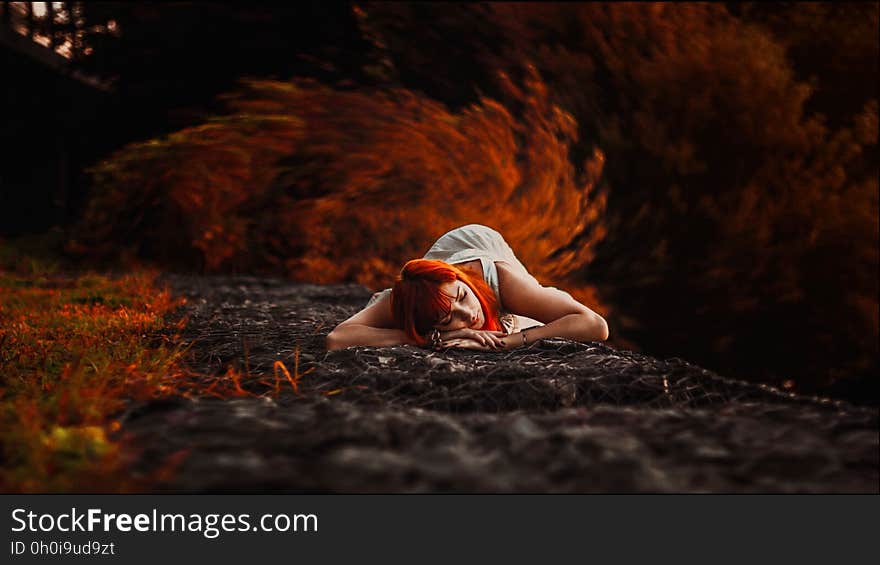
(579, 327)
(350, 335)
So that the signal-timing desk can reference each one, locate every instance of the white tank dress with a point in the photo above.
(472, 242)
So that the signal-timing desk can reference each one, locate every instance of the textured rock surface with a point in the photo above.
(557, 416)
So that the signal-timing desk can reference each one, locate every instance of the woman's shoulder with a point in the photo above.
(377, 296)
(508, 270)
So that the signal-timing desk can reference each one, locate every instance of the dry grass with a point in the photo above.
(77, 348)
(73, 355)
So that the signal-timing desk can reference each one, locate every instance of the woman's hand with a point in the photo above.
(490, 340)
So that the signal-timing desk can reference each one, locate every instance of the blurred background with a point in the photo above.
(704, 175)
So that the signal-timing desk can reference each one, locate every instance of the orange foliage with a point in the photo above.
(71, 359)
(398, 170)
(185, 199)
(349, 185)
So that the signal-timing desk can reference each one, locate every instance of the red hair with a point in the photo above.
(417, 302)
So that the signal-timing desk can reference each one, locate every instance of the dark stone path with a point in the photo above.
(557, 416)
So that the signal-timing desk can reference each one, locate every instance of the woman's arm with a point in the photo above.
(349, 335)
(374, 325)
(563, 315)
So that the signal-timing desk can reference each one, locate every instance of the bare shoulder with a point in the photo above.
(521, 294)
(376, 315)
(505, 270)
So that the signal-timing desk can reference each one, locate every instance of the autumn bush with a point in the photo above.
(187, 200)
(324, 184)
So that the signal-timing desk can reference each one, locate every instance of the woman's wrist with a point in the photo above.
(518, 339)
(511, 341)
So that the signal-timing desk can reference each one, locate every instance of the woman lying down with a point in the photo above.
(469, 291)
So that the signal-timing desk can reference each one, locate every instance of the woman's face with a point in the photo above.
(464, 311)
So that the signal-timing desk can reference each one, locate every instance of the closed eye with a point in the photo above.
(448, 317)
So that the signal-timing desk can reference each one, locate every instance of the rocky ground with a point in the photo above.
(557, 416)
